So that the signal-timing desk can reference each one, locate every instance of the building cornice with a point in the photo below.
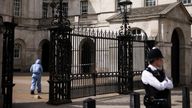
(162, 11)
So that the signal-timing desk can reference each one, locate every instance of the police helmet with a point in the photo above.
(154, 53)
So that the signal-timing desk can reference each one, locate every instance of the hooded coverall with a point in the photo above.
(36, 70)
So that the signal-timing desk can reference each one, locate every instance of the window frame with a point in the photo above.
(84, 7)
(66, 8)
(117, 7)
(149, 3)
(187, 2)
(44, 9)
(17, 51)
(17, 8)
(139, 34)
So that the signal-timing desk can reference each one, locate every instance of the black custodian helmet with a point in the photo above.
(154, 53)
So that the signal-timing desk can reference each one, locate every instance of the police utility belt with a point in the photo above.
(150, 100)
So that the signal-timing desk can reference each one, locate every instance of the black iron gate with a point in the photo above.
(7, 66)
(87, 62)
(96, 62)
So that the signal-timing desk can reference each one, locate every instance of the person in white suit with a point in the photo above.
(36, 70)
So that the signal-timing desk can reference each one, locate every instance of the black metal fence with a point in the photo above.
(86, 62)
(95, 62)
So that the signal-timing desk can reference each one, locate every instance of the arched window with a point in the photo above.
(17, 7)
(139, 48)
(139, 34)
(17, 51)
(87, 56)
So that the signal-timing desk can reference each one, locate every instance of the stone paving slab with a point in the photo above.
(23, 99)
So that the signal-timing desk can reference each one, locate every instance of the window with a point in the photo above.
(117, 5)
(139, 34)
(84, 7)
(65, 9)
(150, 2)
(186, 1)
(17, 7)
(17, 51)
(45, 9)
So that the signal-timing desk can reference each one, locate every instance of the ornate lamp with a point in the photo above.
(125, 9)
(125, 6)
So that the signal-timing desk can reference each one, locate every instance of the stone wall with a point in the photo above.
(31, 43)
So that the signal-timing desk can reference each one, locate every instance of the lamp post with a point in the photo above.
(125, 50)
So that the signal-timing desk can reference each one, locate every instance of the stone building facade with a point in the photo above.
(167, 20)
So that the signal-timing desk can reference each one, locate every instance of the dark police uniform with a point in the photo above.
(156, 85)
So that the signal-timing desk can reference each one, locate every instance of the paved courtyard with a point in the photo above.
(23, 99)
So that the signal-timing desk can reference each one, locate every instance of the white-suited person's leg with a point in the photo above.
(33, 85)
(39, 85)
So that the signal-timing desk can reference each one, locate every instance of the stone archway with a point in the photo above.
(87, 55)
(44, 53)
(176, 53)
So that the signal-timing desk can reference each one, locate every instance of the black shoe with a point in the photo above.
(32, 92)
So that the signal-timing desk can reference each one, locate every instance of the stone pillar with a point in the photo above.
(165, 48)
(1, 58)
(185, 65)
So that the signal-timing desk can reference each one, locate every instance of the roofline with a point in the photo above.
(188, 14)
(149, 16)
(170, 8)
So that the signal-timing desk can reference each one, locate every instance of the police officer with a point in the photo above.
(156, 83)
(36, 70)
